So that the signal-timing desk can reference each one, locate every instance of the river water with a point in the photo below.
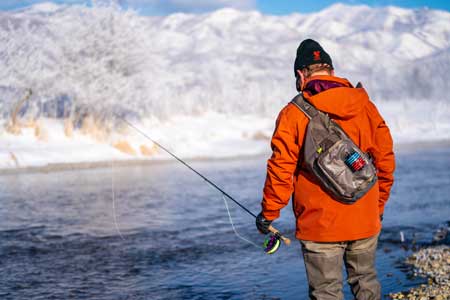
(58, 238)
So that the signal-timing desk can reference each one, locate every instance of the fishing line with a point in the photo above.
(188, 166)
(234, 228)
(272, 242)
(114, 201)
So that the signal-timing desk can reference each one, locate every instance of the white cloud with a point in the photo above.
(198, 6)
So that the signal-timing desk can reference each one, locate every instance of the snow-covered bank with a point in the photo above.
(209, 135)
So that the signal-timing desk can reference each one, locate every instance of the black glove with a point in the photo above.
(262, 224)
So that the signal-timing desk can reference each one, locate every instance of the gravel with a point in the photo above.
(434, 264)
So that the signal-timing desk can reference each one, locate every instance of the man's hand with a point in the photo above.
(262, 224)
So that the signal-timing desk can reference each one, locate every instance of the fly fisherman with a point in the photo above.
(331, 233)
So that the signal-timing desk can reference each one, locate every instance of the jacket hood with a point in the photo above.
(343, 102)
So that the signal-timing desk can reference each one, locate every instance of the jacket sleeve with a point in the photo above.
(384, 159)
(281, 166)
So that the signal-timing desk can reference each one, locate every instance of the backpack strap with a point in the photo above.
(309, 110)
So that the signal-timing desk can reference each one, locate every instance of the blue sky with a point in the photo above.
(162, 7)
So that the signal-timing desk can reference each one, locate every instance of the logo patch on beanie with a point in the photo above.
(316, 55)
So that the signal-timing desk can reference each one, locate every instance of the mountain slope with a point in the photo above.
(213, 60)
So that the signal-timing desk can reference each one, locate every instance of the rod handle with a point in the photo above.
(283, 238)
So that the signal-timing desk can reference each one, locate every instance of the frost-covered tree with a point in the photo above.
(88, 59)
(28, 62)
(100, 58)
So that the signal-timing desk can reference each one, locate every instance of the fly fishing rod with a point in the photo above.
(271, 244)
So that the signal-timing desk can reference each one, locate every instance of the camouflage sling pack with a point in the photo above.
(343, 170)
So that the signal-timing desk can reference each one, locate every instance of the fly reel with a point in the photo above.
(272, 242)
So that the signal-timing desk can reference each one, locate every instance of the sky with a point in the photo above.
(277, 7)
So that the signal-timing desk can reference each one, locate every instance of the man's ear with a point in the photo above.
(332, 72)
(300, 79)
(298, 83)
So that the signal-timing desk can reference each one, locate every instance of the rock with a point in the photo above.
(433, 263)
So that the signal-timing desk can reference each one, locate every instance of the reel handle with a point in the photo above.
(283, 238)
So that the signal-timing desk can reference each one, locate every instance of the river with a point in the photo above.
(170, 236)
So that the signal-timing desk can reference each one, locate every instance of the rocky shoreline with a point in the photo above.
(434, 264)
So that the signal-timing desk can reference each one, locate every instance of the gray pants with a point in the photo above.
(323, 263)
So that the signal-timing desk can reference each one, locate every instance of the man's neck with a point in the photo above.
(318, 73)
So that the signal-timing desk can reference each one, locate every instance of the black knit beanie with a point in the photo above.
(310, 52)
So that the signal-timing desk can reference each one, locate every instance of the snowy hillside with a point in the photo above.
(205, 85)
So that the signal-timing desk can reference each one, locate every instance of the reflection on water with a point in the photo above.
(58, 239)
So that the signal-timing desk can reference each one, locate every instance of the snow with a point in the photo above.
(212, 135)
(43, 7)
(204, 85)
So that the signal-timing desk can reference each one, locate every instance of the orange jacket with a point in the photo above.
(319, 217)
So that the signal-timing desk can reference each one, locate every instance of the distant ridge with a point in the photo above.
(211, 61)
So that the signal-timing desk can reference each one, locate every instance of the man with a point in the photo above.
(331, 233)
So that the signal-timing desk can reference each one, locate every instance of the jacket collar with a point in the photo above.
(340, 100)
(320, 83)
